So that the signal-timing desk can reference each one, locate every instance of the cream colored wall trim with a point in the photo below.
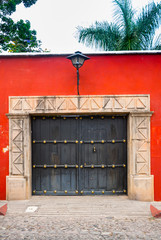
(81, 104)
(136, 106)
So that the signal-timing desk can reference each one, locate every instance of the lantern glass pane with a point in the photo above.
(74, 60)
(81, 61)
(77, 61)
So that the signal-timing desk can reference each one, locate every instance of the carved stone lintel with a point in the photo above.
(67, 104)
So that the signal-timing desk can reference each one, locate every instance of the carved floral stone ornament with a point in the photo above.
(140, 180)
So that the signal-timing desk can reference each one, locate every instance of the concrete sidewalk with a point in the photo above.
(79, 217)
(114, 206)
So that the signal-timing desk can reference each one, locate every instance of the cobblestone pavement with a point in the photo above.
(96, 217)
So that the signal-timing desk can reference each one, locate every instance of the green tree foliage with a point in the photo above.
(129, 31)
(9, 6)
(16, 36)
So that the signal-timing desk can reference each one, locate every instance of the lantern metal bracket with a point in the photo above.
(78, 81)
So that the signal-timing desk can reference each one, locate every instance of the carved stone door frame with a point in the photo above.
(140, 180)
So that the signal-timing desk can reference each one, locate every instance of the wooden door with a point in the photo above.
(74, 155)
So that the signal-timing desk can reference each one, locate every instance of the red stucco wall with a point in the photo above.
(102, 74)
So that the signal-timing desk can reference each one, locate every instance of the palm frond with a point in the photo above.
(101, 35)
(123, 14)
(156, 42)
(127, 32)
(148, 22)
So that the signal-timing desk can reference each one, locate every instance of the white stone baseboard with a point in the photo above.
(16, 188)
(141, 188)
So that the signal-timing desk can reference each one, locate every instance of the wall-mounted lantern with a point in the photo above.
(78, 60)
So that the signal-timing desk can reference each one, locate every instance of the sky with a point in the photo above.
(56, 21)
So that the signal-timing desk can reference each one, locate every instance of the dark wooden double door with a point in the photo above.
(79, 155)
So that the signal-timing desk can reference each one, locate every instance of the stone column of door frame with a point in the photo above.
(140, 180)
(18, 183)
